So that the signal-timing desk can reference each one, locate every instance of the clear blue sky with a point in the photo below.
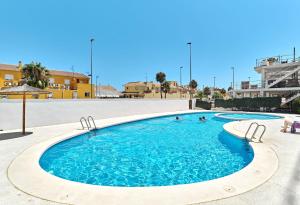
(135, 37)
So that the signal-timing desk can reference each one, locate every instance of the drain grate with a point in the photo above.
(229, 189)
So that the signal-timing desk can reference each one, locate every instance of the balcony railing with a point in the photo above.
(59, 86)
(275, 60)
(286, 83)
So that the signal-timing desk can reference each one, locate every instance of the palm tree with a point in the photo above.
(161, 77)
(223, 91)
(36, 75)
(193, 84)
(166, 88)
(206, 91)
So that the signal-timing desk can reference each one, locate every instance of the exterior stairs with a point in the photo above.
(283, 77)
(291, 99)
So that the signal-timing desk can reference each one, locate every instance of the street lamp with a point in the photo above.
(92, 67)
(180, 76)
(180, 80)
(97, 86)
(214, 87)
(214, 82)
(232, 78)
(190, 101)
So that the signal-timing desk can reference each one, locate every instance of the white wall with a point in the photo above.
(50, 112)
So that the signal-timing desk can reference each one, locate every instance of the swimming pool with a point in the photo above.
(247, 116)
(155, 152)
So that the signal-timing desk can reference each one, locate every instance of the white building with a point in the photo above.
(279, 77)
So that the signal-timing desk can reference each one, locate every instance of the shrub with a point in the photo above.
(203, 104)
(249, 103)
(296, 106)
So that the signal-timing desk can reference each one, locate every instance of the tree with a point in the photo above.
(193, 84)
(36, 75)
(199, 94)
(223, 91)
(166, 88)
(206, 91)
(217, 95)
(161, 77)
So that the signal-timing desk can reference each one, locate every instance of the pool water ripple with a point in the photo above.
(154, 152)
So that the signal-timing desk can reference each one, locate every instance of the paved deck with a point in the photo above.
(282, 188)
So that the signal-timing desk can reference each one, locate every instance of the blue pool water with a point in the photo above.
(155, 152)
(246, 116)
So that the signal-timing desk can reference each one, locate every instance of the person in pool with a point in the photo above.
(177, 118)
(202, 119)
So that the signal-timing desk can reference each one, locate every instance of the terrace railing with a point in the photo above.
(273, 60)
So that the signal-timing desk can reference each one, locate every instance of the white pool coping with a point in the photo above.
(26, 174)
(221, 115)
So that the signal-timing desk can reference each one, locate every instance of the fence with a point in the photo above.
(203, 104)
(250, 104)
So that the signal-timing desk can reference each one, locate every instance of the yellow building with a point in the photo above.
(152, 90)
(135, 89)
(62, 84)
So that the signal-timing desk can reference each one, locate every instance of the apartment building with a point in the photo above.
(62, 84)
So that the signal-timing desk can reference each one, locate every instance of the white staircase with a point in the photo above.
(291, 99)
(283, 77)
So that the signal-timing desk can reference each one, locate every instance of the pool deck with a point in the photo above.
(282, 188)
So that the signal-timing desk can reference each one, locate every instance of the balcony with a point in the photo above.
(276, 60)
(10, 83)
(59, 86)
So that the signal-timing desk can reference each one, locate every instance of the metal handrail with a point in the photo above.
(253, 123)
(257, 127)
(92, 119)
(87, 124)
(261, 133)
(280, 59)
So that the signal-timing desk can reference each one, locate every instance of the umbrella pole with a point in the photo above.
(23, 117)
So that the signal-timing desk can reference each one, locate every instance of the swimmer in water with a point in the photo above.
(202, 119)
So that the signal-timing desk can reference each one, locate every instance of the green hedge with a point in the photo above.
(203, 104)
(249, 103)
(296, 106)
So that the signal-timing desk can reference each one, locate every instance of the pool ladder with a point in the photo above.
(257, 126)
(87, 121)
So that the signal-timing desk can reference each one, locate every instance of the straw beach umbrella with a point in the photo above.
(23, 90)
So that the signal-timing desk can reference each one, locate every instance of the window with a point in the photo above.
(86, 94)
(8, 77)
(67, 81)
(77, 80)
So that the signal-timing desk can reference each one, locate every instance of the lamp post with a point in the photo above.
(92, 67)
(232, 78)
(97, 85)
(214, 82)
(190, 101)
(180, 76)
(214, 87)
(180, 80)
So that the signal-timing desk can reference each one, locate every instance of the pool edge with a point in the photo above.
(48, 187)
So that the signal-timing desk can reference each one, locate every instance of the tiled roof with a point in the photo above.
(68, 74)
(9, 67)
(52, 72)
(107, 87)
(107, 91)
(135, 83)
